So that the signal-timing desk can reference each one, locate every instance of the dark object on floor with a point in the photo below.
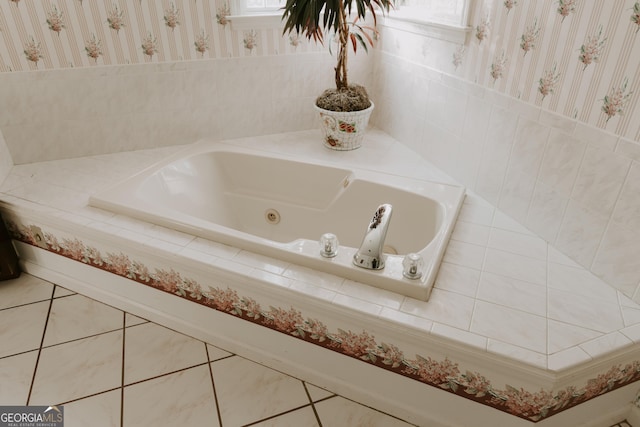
(9, 268)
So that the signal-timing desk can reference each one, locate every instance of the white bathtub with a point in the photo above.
(226, 194)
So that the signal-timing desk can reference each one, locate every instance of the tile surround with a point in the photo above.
(502, 167)
(580, 233)
(547, 207)
(490, 259)
(627, 208)
(561, 161)
(570, 183)
(617, 259)
(488, 253)
(517, 294)
(569, 196)
(560, 334)
(516, 266)
(525, 330)
(599, 180)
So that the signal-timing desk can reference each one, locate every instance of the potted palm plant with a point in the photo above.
(345, 109)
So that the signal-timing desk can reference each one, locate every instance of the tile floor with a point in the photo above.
(110, 368)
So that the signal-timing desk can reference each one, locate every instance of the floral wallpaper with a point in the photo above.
(578, 58)
(47, 34)
(444, 374)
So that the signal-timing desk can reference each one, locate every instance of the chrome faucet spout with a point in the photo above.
(370, 253)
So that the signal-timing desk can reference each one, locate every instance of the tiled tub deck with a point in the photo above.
(511, 321)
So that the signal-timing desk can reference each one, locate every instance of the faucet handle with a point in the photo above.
(412, 266)
(328, 245)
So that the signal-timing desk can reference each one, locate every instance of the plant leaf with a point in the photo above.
(362, 42)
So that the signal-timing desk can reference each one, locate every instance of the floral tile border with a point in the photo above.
(444, 375)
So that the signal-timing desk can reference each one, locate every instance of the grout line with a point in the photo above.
(81, 338)
(44, 331)
(536, 178)
(124, 331)
(480, 277)
(18, 354)
(546, 304)
(253, 423)
(70, 295)
(513, 141)
(336, 395)
(610, 219)
(166, 374)
(25, 304)
(213, 384)
(77, 399)
(313, 407)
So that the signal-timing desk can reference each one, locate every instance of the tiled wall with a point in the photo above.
(6, 161)
(573, 182)
(56, 114)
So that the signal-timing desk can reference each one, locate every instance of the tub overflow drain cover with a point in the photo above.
(272, 216)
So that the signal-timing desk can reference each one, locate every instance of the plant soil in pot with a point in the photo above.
(344, 115)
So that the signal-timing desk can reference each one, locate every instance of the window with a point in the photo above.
(258, 7)
(445, 19)
(250, 14)
(442, 19)
(446, 12)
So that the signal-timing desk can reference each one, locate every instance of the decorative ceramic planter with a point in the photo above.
(344, 130)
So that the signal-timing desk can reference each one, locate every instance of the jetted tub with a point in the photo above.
(280, 206)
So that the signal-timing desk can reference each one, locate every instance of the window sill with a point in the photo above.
(253, 22)
(449, 32)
